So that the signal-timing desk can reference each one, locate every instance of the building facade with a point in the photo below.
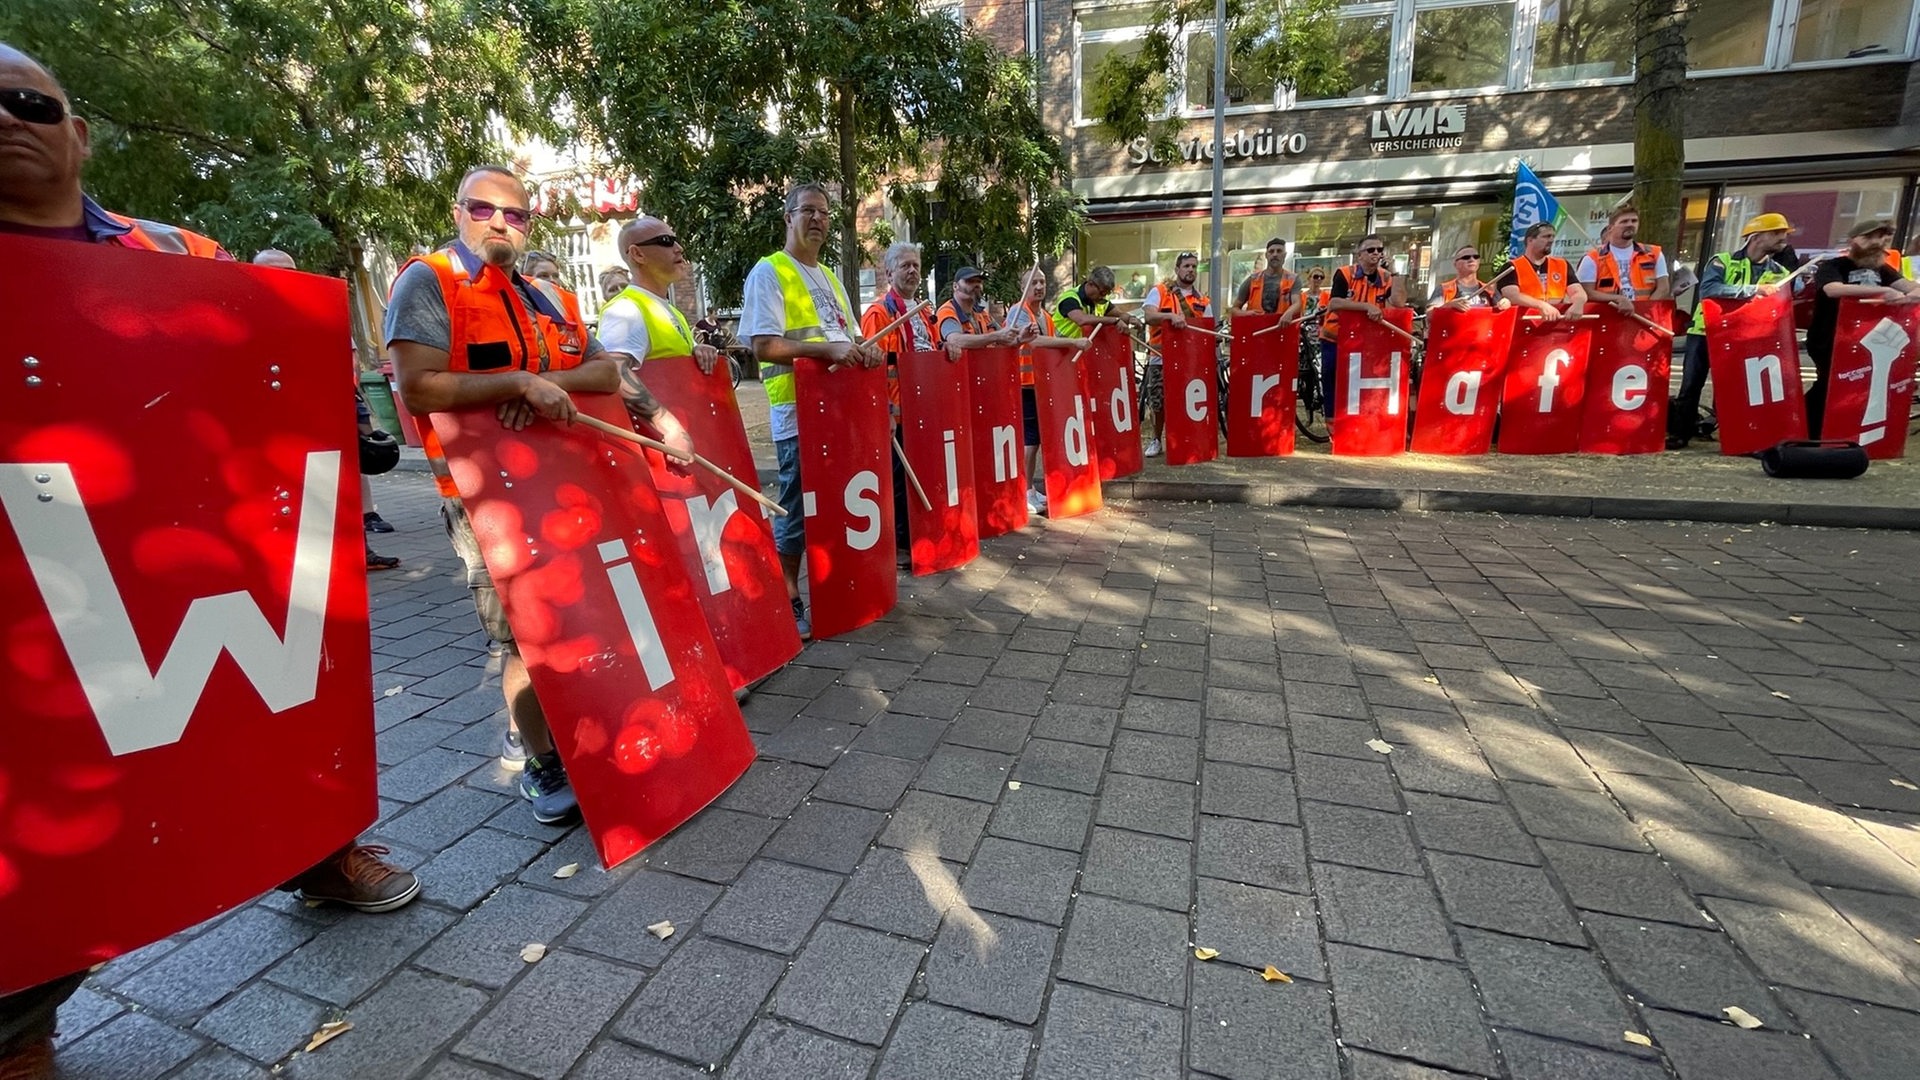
(1806, 107)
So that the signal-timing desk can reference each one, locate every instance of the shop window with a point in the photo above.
(1583, 40)
(1365, 43)
(1462, 48)
(1728, 34)
(1141, 253)
(1852, 29)
(1821, 213)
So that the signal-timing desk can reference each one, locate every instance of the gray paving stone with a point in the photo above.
(217, 1064)
(1253, 852)
(1621, 883)
(1586, 817)
(1424, 764)
(1159, 715)
(990, 964)
(265, 1022)
(772, 906)
(851, 704)
(1076, 723)
(698, 1005)
(1050, 763)
(1152, 870)
(777, 1051)
(1815, 950)
(1727, 866)
(614, 927)
(133, 1046)
(396, 1031)
(1229, 790)
(1890, 921)
(1165, 757)
(1043, 816)
(1090, 1035)
(190, 979)
(985, 729)
(1546, 989)
(1531, 1057)
(1248, 744)
(1657, 802)
(350, 958)
(1410, 1007)
(908, 737)
(1022, 880)
(1507, 897)
(849, 982)
(1365, 1065)
(425, 773)
(935, 1043)
(868, 780)
(941, 701)
(827, 835)
(965, 773)
(771, 788)
(1127, 948)
(80, 1014)
(475, 865)
(1685, 970)
(484, 946)
(1701, 1049)
(940, 825)
(810, 740)
(1256, 927)
(1868, 1042)
(590, 879)
(1381, 911)
(1143, 804)
(899, 892)
(1467, 827)
(545, 1022)
(617, 1061)
(1707, 746)
(1839, 853)
(1355, 836)
(1346, 781)
(1240, 1031)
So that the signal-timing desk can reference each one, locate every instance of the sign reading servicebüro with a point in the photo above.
(1245, 143)
(1418, 127)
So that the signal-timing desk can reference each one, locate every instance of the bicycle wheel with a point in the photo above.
(1310, 421)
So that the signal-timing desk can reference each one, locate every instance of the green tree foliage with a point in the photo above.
(717, 107)
(1270, 43)
(310, 125)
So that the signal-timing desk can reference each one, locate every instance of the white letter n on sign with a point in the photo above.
(136, 707)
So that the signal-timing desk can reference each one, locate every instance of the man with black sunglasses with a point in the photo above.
(1368, 287)
(641, 319)
(1465, 289)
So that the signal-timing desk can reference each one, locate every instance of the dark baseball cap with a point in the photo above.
(1869, 226)
(967, 272)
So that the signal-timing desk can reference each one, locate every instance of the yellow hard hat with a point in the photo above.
(1765, 223)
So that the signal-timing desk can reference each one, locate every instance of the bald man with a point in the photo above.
(641, 320)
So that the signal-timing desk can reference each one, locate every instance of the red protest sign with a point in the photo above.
(1870, 385)
(1192, 375)
(181, 557)
(1262, 367)
(1111, 395)
(1755, 363)
(846, 483)
(605, 616)
(934, 429)
(724, 537)
(1370, 387)
(1545, 387)
(1068, 454)
(1461, 382)
(1627, 376)
(999, 458)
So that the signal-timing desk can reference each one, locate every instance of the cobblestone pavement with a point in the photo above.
(1638, 774)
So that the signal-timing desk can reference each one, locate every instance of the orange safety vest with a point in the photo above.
(1036, 312)
(978, 322)
(1360, 289)
(493, 331)
(899, 340)
(153, 236)
(1192, 307)
(1257, 299)
(1553, 289)
(1450, 290)
(1640, 269)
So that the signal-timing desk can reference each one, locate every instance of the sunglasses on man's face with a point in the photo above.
(1372, 250)
(1466, 258)
(32, 106)
(481, 210)
(664, 240)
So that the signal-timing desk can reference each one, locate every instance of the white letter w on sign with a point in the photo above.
(138, 708)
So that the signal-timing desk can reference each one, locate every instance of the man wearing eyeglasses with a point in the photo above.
(1367, 287)
(1172, 302)
(520, 351)
(642, 320)
(1465, 289)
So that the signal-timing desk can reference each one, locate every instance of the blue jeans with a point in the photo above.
(1329, 359)
(790, 532)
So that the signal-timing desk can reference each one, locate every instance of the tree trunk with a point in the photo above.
(850, 257)
(1660, 115)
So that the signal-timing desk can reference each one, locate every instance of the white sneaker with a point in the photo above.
(1036, 502)
(1152, 449)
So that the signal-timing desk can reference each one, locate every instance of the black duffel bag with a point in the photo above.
(379, 452)
(1814, 459)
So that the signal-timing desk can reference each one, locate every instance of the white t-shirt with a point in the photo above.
(1154, 302)
(623, 322)
(1589, 271)
(763, 310)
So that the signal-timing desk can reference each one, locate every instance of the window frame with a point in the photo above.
(1788, 12)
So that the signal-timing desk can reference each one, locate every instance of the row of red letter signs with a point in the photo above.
(1593, 385)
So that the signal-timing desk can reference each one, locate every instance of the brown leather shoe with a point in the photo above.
(357, 877)
(33, 1061)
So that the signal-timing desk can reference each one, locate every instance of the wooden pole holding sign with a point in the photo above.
(638, 439)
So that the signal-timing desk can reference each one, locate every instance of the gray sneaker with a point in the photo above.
(800, 619)
(544, 784)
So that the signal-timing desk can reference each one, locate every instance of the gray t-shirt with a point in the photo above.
(417, 312)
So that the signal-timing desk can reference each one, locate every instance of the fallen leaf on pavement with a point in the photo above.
(1637, 1039)
(567, 871)
(1742, 1018)
(1274, 974)
(1013, 785)
(532, 953)
(1783, 695)
(328, 1032)
(1205, 954)
(1434, 679)
(1795, 618)
(1904, 784)
(662, 929)
(392, 690)
(1379, 746)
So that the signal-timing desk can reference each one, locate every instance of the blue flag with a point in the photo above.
(1532, 203)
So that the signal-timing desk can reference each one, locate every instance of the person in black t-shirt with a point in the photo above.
(1862, 273)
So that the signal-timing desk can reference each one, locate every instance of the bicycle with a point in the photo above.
(1309, 410)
